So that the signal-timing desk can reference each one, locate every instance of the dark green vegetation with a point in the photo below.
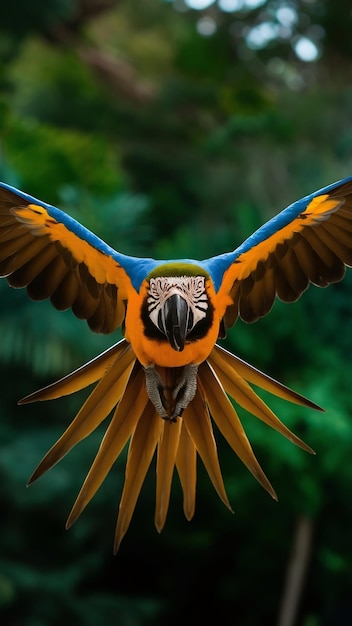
(170, 143)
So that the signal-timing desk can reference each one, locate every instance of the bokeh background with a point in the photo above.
(175, 128)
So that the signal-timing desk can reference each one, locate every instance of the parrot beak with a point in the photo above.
(174, 323)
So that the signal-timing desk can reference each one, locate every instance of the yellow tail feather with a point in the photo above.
(82, 377)
(198, 424)
(186, 465)
(244, 395)
(96, 408)
(142, 447)
(226, 418)
(123, 423)
(256, 377)
(167, 451)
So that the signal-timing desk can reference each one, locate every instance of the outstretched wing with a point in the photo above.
(309, 242)
(53, 256)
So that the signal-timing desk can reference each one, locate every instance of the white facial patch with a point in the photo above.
(191, 288)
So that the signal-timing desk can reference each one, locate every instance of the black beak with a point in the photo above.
(174, 321)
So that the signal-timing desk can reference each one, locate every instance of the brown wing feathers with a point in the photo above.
(48, 269)
(316, 253)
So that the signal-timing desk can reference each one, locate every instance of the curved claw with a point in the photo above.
(155, 390)
(170, 401)
(185, 390)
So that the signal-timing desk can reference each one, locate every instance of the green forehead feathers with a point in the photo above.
(178, 269)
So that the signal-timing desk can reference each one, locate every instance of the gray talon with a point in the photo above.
(186, 388)
(182, 393)
(155, 388)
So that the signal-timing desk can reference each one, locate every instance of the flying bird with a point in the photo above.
(168, 380)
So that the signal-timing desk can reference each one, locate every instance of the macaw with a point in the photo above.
(168, 379)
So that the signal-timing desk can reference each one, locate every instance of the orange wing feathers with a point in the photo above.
(314, 246)
(42, 254)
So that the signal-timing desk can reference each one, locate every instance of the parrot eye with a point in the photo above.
(190, 288)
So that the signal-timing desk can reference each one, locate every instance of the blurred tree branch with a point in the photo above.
(118, 75)
(115, 73)
(296, 570)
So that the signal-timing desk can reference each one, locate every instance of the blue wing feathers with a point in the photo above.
(70, 223)
(138, 268)
(216, 266)
(135, 267)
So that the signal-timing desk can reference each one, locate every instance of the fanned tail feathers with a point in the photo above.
(234, 374)
(121, 386)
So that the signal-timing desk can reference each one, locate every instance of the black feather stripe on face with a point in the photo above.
(192, 288)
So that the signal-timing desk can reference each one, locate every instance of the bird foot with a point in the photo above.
(171, 400)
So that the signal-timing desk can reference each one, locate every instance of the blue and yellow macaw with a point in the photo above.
(171, 313)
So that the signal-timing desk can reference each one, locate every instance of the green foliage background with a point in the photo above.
(170, 143)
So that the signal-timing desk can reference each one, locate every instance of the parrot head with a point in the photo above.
(177, 308)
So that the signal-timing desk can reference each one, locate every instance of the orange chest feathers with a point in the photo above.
(152, 348)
